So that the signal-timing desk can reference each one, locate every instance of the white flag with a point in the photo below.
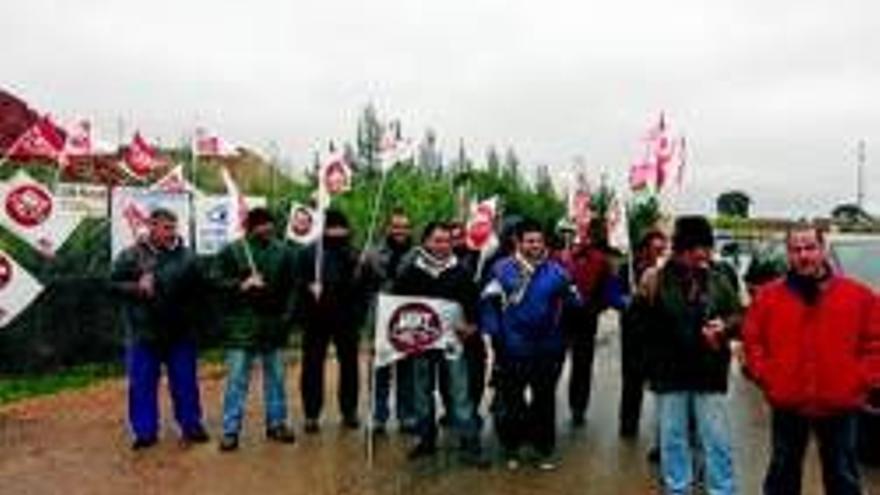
(303, 223)
(175, 182)
(130, 215)
(17, 289)
(30, 211)
(618, 226)
(407, 326)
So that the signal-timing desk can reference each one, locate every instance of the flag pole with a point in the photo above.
(374, 214)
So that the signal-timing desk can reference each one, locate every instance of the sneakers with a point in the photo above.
(143, 443)
(471, 454)
(512, 463)
(379, 429)
(281, 434)
(312, 426)
(196, 435)
(422, 449)
(229, 443)
(547, 464)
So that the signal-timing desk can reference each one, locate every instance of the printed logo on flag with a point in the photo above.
(28, 205)
(414, 327)
(5, 271)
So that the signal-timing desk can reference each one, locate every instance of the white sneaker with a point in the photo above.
(512, 464)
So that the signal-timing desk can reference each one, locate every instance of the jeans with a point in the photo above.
(475, 356)
(518, 422)
(676, 446)
(837, 451)
(403, 378)
(238, 363)
(143, 366)
(425, 372)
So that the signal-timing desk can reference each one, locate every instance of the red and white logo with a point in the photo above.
(414, 327)
(5, 271)
(28, 205)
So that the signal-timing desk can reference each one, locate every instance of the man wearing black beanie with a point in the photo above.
(691, 312)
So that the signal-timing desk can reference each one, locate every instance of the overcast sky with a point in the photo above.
(772, 96)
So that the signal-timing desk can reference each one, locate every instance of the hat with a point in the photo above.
(692, 231)
(335, 218)
(257, 217)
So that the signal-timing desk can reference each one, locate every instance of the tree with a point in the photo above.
(850, 214)
(493, 162)
(369, 137)
(429, 158)
(733, 204)
(543, 181)
(511, 166)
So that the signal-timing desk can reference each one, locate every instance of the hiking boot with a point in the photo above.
(143, 443)
(229, 443)
(280, 434)
(196, 435)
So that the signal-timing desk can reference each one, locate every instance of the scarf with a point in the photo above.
(433, 265)
(809, 288)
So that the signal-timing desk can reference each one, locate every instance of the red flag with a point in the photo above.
(140, 158)
(42, 140)
(480, 228)
(79, 141)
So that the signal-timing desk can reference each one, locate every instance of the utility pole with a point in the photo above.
(860, 184)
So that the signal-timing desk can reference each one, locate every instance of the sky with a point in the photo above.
(773, 97)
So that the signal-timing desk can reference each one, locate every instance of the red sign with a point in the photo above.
(414, 327)
(28, 205)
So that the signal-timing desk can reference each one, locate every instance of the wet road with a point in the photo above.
(75, 442)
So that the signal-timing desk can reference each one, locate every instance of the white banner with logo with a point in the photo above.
(130, 214)
(29, 210)
(212, 221)
(17, 289)
(407, 326)
(89, 200)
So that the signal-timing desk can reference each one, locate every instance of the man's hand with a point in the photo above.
(872, 405)
(254, 281)
(146, 285)
(713, 333)
(465, 330)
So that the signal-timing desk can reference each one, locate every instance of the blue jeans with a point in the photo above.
(238, 363)
(709, 411)
(425, 370)
(837, 452)
(403, 399)
(143, 366)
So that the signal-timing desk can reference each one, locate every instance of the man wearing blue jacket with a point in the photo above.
(521, 309)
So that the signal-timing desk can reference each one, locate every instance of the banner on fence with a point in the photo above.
(212, 221)
(17, 289)
(130, 212)
(29, 210)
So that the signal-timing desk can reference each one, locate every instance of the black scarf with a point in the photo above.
(809, 288)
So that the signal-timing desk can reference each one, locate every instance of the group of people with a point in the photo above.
(811, 339)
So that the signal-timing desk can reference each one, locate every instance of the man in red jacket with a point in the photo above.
(812, 343)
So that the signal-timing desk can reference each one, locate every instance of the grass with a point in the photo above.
(18, 387)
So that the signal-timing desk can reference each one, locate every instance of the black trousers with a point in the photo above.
(517, 421)
(837, 452)
(633, 377)
(315, 343)
(580, 327)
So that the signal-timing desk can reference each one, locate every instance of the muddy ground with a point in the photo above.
(76, 443)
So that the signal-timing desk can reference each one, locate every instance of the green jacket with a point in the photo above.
(678, 357)
(170, 315)
(259, 318)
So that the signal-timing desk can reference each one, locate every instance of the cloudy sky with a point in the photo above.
(772, 96)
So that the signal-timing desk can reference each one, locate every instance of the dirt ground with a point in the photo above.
(76, 443)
